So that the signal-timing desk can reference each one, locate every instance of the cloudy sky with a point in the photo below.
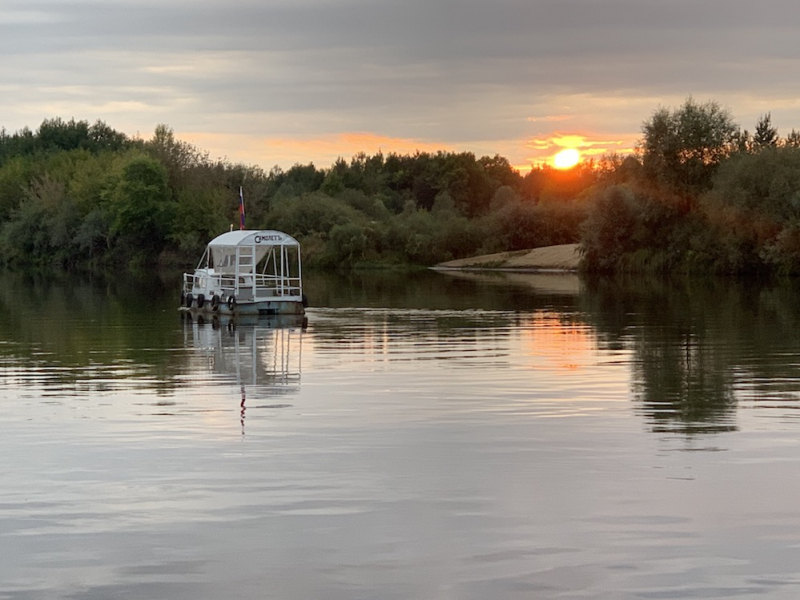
(279, 82)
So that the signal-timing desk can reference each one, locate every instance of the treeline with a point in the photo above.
(75, 195)
(699, 194)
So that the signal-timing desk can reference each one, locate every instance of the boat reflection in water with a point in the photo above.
(261, 355)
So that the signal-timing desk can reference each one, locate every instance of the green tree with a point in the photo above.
(500, 171)
(504, 196)
(42, 230)
(142, 209)
(177, 157)
(609, 231)
(683, 148)
(57, 134)
(299, 180)
(15, 174)
(792, 139)
(767, 183)
(348, 244)
(766, 136)
(103, 137)
(313, 213)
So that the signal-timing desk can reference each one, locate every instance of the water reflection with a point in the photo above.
(540, 283)
(475, 437)
(262, 356)
(78, 336)
(701, 346)
(447, 290)
(698, 350)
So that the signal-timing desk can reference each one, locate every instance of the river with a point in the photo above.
(425, 435)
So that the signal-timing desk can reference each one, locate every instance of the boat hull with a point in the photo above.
(217, 320)
(260, 308)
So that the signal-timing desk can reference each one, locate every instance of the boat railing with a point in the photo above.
(257, 285)
(275, 285)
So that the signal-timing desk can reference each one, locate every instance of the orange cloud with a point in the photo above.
(589, 145)
(323, 151)
(549, 118)
(285, 152)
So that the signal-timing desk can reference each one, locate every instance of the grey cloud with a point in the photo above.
(406, 68)
(433, 29)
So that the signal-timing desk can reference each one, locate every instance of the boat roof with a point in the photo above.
(251, 237)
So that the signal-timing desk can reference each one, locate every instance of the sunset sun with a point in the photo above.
(567, 158)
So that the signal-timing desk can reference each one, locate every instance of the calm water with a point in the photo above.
(427, 436)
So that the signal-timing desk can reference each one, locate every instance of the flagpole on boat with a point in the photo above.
(241, 208)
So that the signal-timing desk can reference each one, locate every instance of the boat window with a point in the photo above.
(227, 261)
(204, 261)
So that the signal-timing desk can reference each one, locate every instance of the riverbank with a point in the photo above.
(565, 257)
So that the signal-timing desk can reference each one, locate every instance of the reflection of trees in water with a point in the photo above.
(78, 335)
(84, 334)
(683, 386)
(427, 290)
(402, 334)
(452, 312)
(697, 342)
(699, 346)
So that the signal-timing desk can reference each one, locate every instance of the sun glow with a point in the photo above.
(567, 158)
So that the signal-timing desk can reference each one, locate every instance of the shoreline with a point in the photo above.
(564, 258)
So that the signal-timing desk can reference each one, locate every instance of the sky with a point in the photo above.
(283, 82)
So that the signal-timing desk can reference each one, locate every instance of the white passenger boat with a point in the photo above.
(247, 272)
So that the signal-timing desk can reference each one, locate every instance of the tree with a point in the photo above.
(792, 139)
(297, 181)
(103, 137)
(57, 134)
(42, 229)
(766, 183)
(176, 156)
(142, 209)
(500, 171)
(682, 148)
(766, 136)
(608, 232)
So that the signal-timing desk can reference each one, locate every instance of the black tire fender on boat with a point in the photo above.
(304, 301)
(215, 302)
(231, 302)
(201, 300)
(188, 299)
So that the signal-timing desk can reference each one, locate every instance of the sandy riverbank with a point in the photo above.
(551, 258)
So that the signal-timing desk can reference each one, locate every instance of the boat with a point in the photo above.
(247, 272)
